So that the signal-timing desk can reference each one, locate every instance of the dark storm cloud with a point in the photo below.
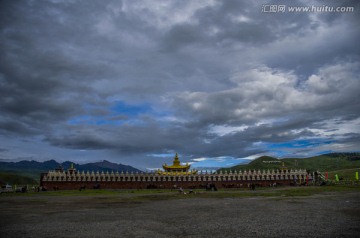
(314, 40)
(127, 139)
(44, 70)
(217, 26)
(204, 78)
(15, 127)
(264, 94)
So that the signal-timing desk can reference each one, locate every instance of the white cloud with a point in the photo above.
(222, 130)
(265, 95)
(336, 128)
(337, 78)
(199, 159)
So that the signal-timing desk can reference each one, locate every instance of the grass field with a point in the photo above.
(153, 195)
(347, 174)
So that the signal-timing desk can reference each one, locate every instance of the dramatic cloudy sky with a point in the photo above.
(134, 82)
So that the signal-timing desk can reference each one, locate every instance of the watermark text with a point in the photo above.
(299, 9)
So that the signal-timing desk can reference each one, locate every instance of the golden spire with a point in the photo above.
(176, 160)
(176, 167)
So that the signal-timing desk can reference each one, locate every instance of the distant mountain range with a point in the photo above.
(33, 169)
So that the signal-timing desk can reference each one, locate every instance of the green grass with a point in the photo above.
(347, 174)
(30, 173)
(12, 179)
(137, 196)
(328, 162)
(323, 163)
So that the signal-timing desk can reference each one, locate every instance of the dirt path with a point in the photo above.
(330, 215)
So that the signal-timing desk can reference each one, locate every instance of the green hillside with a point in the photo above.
(28, 173)
(263, 162)
(8, 178)
(347, 174)
(327, 162)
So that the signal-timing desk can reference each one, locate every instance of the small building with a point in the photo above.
(283, 167)
(177, 168)
(71, 170)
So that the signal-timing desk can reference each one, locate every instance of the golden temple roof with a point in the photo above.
(176, 165)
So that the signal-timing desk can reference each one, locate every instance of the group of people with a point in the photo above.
(39, 188)
(181, 190)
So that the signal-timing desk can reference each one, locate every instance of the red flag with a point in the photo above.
(307, 180)
(326, 175)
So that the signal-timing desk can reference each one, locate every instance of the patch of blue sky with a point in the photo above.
(130, 110)
(293, 148)
(162, 155)
(92, 120)
(304, 143)
(218, 162)
(81, 120)
(323, 152)
(122, 113)
(277, 153)
(105, 121)
(134, 113)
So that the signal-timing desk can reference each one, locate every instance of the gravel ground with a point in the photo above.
(325, 215)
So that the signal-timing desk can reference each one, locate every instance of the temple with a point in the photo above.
(175, 175)
(176, 168)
